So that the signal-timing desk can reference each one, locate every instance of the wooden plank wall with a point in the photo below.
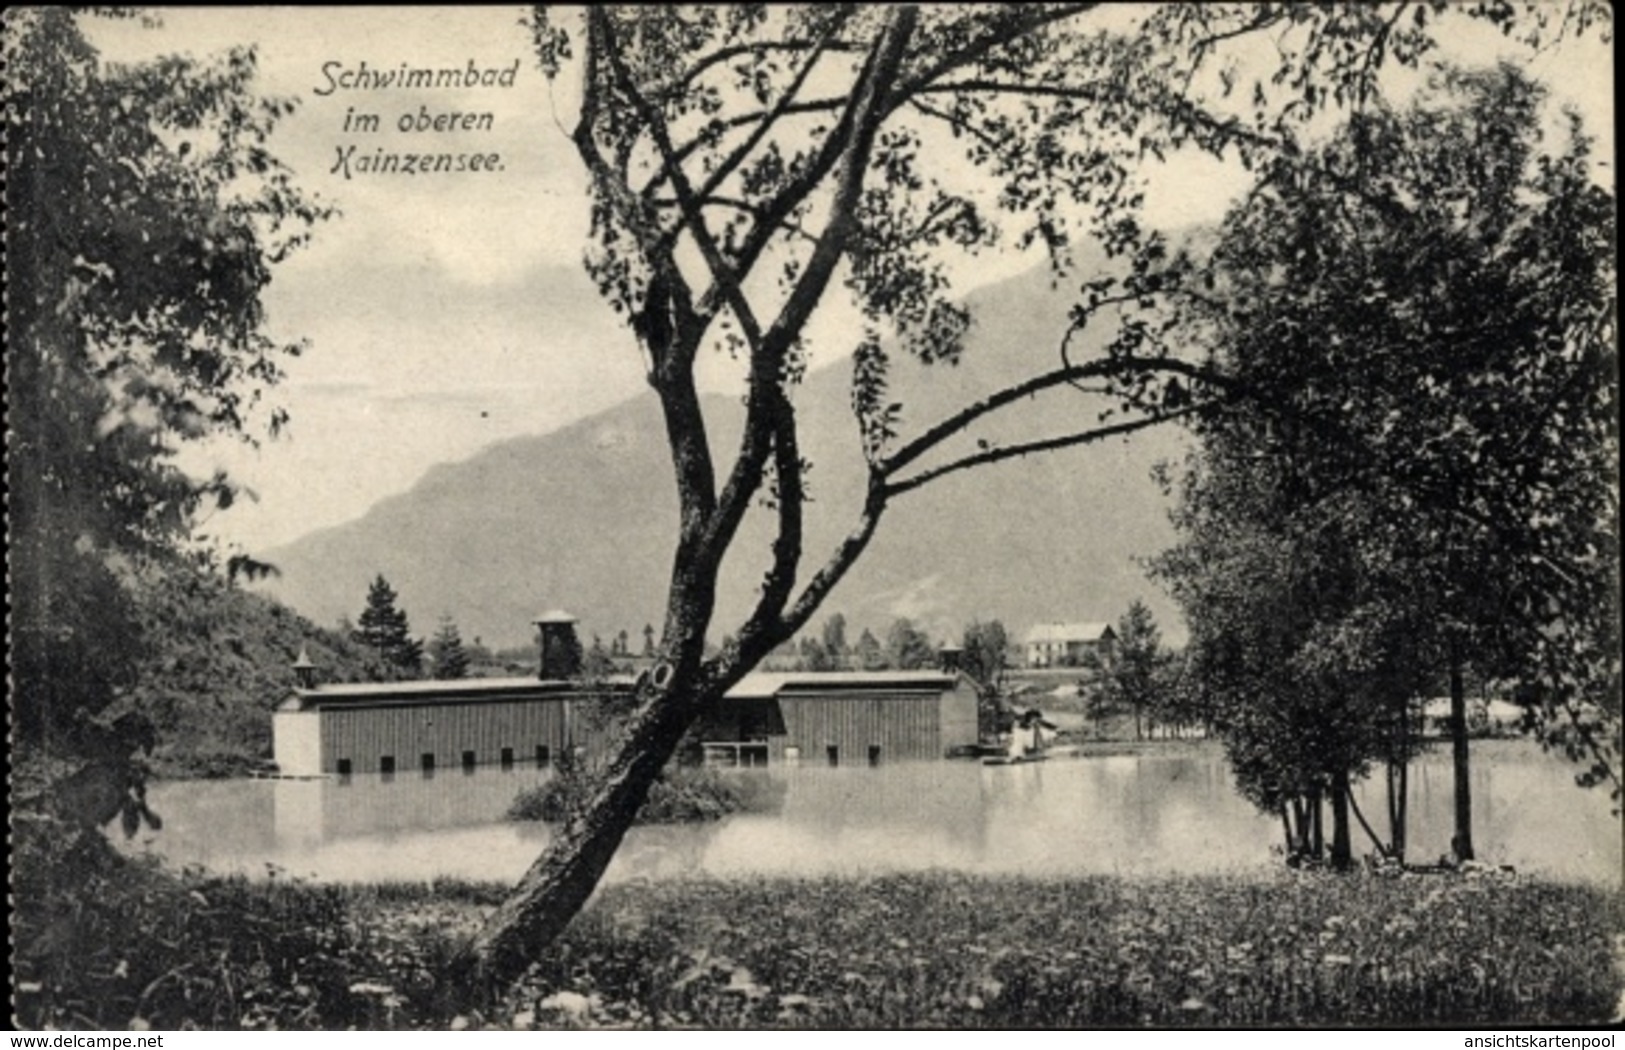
(407, 732)
(903, 726)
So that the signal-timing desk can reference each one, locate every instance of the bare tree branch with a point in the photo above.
(1106, 366)
(825, 42)
(1028, 448)
(846, 552)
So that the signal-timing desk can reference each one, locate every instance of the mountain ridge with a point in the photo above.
(585, 516)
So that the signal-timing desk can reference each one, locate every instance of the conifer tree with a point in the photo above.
(446, 650)
(384, 629)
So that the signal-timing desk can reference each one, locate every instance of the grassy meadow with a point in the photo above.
(104, 942)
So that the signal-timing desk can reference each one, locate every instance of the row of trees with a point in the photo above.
(906, 648)
(396, 654)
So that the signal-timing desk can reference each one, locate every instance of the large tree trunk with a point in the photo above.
(1461, 843)
(1301, 847)
(558, 885)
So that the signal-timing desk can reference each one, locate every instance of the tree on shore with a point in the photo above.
(834, 641)
(143, 219)
(985, 657)
(907, 647)
(562, 653)
(597, 663)
(812, 655)
(868, 653)
(1137, 672)
(746, 162)
(1448, 493)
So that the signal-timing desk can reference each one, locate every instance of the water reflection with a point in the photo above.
(1138, 815)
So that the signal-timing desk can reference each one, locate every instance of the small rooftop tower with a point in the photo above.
(304, 671)
(556, 631)
(950, 658)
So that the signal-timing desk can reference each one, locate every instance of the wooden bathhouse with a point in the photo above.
(840, 718)
(833, 718)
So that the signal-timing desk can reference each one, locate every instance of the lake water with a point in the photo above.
(1135, 815)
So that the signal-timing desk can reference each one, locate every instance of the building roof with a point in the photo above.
(366, 694)
(1070, 632)
(759, 686)
(555, 616)
(763, 685)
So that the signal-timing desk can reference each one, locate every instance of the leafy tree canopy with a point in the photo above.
(144, 214)
(907, 647)
(1420, 318)
(986, 653)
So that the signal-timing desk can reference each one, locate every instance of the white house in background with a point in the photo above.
(1068, 644)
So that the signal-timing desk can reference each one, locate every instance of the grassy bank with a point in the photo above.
(102, 942)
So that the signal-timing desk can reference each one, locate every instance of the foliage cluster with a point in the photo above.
(1418, 319)
(217, 662)
(144, 217)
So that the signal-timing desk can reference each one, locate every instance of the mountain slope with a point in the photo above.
(585, 517)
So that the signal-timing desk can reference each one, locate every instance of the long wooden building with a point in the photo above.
(834, 718)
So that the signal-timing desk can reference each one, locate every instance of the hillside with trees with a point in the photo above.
(217, 660)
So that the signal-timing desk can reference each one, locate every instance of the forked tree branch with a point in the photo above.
(786, 103)
(863, 118)
(844, 555)
(1098, 368)
(1028, 448)
(722, 274)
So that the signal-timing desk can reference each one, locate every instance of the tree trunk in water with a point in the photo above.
(1461, 844)
(1317, 842)
(1398, 776)
(559, 883)
(1342, 850)
(1300, 835)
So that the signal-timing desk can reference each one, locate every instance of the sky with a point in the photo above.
(445, 313)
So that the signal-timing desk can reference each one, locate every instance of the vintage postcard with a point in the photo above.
(814, 517)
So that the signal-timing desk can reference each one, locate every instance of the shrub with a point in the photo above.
(104, 941)
(682, 795)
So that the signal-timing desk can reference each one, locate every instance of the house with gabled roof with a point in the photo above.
(1068, 644)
